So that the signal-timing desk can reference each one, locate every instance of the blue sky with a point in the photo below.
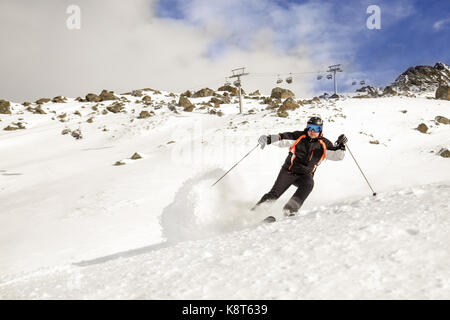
(412, 32)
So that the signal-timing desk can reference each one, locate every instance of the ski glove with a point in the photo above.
(263, 140)
(341, 141)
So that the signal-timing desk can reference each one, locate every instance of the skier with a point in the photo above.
(308, 148)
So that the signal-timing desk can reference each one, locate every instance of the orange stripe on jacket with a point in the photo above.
(324, 151)
(292, 149)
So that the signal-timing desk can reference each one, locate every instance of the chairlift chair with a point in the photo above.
(237, 83)
(289, 79)
(329, 76)
(362, 82)
(319, 77)
(353, 83)
(279, 80)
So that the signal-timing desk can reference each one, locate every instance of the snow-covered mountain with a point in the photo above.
(109, 196)
(421, 79)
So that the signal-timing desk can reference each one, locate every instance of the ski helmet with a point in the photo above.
(315, 124)
(315, 120)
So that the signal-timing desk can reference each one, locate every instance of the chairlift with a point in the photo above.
(329, 76)
(279, 80)
(362, 82)
(319, 77)
(237, 83)
(289, 79)
(353, 83)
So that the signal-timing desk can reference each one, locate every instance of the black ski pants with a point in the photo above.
(285, 179)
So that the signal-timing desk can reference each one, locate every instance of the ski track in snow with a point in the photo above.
(76, 227)
(390, 246)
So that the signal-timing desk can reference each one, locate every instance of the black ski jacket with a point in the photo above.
(306, 154)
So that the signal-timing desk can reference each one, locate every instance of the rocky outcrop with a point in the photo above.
(205, 92)
(422, 79)
(280, 93)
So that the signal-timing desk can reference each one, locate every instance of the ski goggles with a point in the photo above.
(314, 127)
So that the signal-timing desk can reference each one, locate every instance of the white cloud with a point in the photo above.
(439, 25)
(123, 45)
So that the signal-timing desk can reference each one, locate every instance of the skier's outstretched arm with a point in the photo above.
(336, 151)
(280, 138)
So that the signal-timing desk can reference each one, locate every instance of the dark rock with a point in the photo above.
(136, 156)
(442, 93)
(146, 99)
(389, 91)
(442, 120)
(187, 94)
(184, 102)
(145, 114)
(289, 104)
(92, 97)
(43, 100)
(5, 107)
(136, 93)
(205, 92)
(422, 128)
(232, 90)
(445, 153)
(116, 107)
(106, 95)
(189, 108)
(59, 99)
(77, 134)
(282, 114)
(15, 126)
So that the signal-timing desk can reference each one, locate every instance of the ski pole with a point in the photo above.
(235, 165)
(374, 193)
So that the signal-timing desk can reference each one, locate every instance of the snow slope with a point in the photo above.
(75, 226)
